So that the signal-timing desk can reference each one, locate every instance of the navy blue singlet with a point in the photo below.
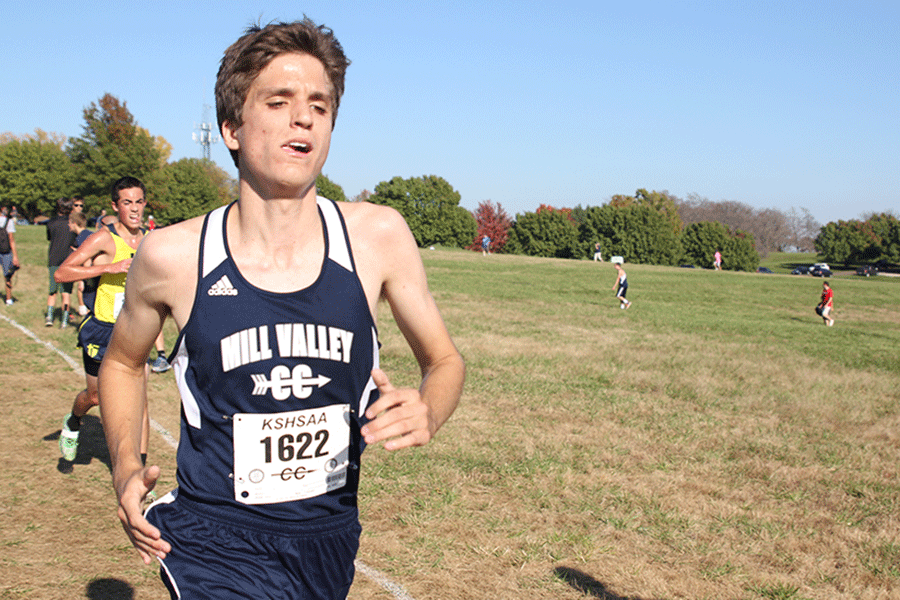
(290, 371)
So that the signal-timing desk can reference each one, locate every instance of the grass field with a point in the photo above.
(715, 441)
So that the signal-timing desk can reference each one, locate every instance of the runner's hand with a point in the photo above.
(145, 537)
(120, 267)
(399, 416)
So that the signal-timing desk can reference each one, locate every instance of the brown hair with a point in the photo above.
(252, 52)
(64, 206)
(78, 218)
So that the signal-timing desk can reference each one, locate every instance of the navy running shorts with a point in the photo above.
(93, 338)
(215, 555)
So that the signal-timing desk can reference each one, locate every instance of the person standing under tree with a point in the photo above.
(276, 325)
(717, 261)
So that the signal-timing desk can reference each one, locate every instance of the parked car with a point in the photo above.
(687, 266)
(821, 265)
(818, 271)
(764, 270)
(802, 270)
(867, 271)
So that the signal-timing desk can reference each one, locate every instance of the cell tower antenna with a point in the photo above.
(205, 134)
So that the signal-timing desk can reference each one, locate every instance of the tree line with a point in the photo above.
(873, 240)
(647, 227)
(644, 228)
(37, 169)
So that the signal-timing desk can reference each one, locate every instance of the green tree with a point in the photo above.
(635, 231)
(546, 232)
(701, 240)
(661, 202)
(847, 242)
(832, 244)
(741, 252)
(111, 146)
(589, 222)
(180, 191)
(429, 204)
(461, 227)
(34, 172)
(328, 189)
(226, 185)
(887, 228)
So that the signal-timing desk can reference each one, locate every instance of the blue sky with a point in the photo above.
(774, 104)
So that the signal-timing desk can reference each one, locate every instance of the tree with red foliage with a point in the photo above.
(493, 222)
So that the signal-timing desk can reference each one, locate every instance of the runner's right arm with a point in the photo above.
(122, 390)
(97, 251)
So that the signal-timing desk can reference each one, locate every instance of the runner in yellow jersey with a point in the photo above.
(107, 253)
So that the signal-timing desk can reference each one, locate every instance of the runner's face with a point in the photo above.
(286, 133)
(130, 207)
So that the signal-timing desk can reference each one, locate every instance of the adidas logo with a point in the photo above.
(222, 287)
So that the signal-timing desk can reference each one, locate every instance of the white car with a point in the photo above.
(820, 265)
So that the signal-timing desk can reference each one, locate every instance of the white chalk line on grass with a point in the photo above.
(395, 589)
(78, 369)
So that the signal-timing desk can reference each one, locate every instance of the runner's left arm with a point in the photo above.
(404, 417)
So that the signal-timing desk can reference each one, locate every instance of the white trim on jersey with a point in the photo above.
(188, 402)
(214, 249)
(370, 385)
(337, 240)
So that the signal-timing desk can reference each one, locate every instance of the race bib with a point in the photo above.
(282, 457)
(118, 303)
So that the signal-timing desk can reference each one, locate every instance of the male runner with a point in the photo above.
(106, 254)
(275, 298)
(621, 286)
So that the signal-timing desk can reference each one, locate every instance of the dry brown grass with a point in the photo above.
(593, 456)
(59, 534)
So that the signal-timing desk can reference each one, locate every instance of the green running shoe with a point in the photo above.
(68, 440)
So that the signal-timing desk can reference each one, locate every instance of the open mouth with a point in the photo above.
(300, 147)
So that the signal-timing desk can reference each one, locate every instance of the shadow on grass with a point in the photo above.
(109, 589)
(790, 266)
(587, 585)
(91, 445)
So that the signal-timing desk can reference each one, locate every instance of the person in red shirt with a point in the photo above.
(827, 303)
